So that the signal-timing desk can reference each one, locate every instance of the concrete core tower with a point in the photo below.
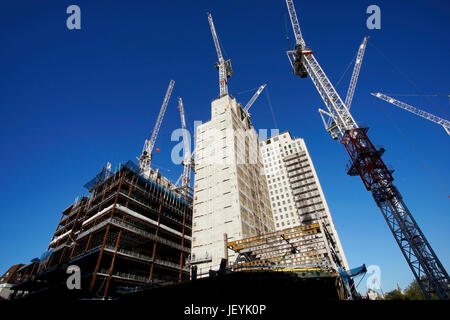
(231, 199)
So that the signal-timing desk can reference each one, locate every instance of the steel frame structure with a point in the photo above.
(130, 232)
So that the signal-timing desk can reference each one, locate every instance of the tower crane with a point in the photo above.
(444, 123)
(224, 66)
(366, 161)
(146, 156)
(187, 161)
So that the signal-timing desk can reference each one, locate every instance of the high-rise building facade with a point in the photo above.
(296, 195)
(231, 199)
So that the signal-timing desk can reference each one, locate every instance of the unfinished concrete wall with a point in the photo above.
(230, 191)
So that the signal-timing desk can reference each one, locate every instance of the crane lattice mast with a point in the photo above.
(366, 161)
(145, 159)
(224, 66)
(444, 123)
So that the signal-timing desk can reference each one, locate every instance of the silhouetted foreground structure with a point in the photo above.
(250, 287)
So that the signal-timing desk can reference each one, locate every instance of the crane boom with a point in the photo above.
(253, 99)
(224, 66)
(444, 123)
(355, 74)
(146, 157)
(366, 161)
(215, 38)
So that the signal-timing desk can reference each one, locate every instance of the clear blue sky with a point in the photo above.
(72, 100)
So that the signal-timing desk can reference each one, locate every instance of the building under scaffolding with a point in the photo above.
(130, 233)
(297, 246)
(298, 250)
(287, 266)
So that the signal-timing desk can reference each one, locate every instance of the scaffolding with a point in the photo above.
(297, 248)
(129, 232)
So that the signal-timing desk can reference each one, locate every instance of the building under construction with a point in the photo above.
(286, 266)
(298, 250)
(131, 232)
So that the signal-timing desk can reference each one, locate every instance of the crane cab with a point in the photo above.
(298, 61)
(333, 130)
(228, 68)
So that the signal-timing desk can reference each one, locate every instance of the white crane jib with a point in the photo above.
(253, 99)
(146, 157)
(444, 123)
(351, 89)
(224, 66)
(355, 74)
(303, 62)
